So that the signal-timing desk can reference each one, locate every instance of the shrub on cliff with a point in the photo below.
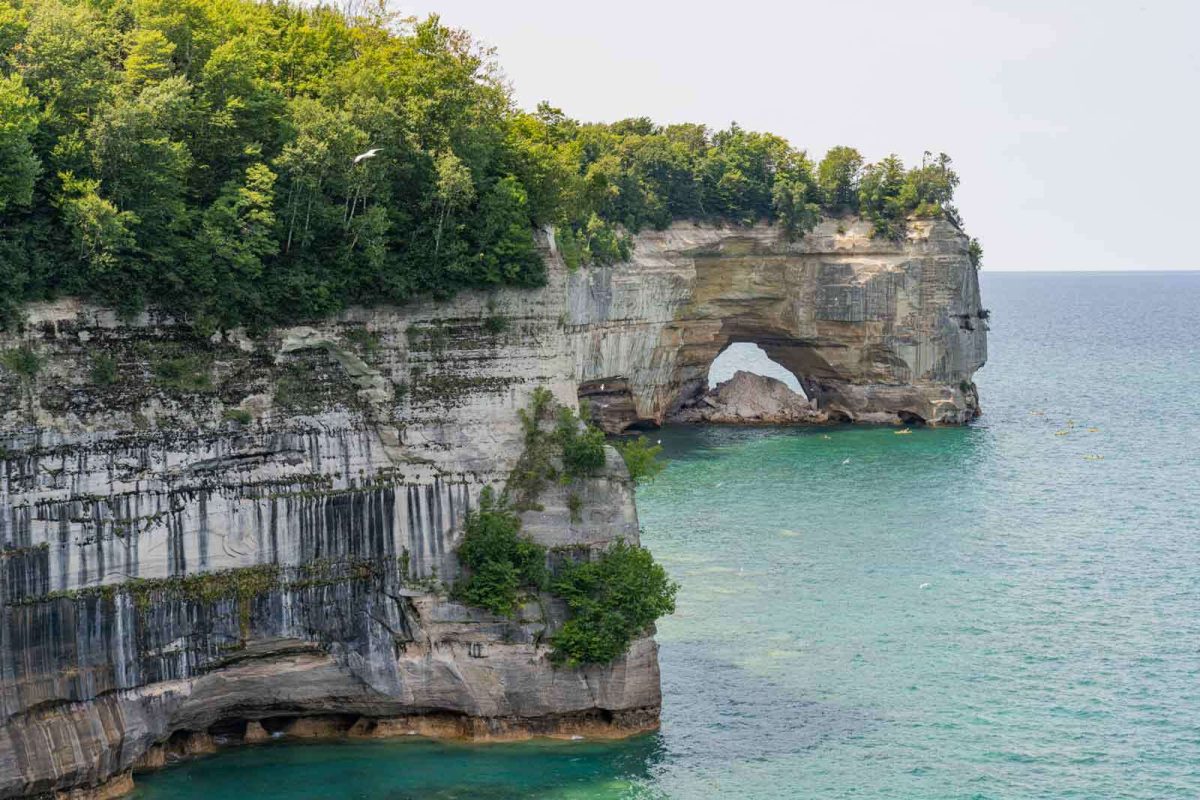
(613, 600)
(499, 561)
(582, 445)
(641, 458)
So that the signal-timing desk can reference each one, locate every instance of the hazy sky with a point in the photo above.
(1073, 125)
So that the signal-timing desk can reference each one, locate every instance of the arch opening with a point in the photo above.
(744, 384)
(749, 357)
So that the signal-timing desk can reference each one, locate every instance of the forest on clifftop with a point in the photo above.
(238, 162)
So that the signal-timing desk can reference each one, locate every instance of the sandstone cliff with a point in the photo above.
(205, 540)
(875, 330)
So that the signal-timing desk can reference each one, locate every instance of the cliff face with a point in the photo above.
(207, 540)
(876, 331)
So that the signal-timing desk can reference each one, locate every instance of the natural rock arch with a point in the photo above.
(875, 330)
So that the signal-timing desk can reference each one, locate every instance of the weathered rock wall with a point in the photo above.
(875, 330)
(198, 535)
(329, 468)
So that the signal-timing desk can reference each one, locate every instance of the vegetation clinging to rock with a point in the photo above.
(23, 361)
(641, 458)
(582, 445)
(499, 560)
(613, 599)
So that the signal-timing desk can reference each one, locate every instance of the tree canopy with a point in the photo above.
(202, 156)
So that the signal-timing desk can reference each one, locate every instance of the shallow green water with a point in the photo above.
(1054, 650)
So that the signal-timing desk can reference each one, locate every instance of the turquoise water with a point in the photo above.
(1054, 651)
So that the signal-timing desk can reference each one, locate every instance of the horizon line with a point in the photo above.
(1093, 270)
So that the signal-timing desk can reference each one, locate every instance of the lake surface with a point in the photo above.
(1009, 610)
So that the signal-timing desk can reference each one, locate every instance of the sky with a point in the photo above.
(1071, 124)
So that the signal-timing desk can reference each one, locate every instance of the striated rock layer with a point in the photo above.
(875, 330)
(224, 539)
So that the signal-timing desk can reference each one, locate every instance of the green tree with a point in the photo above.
(65, 60)
(102, 236)
(149, 59)
(19, 165)
(499, 561)
(641, 458)
(143, 164)
(929, 189)
(507, 253)
(880, 196)
(582, 445)
(613, 600)
(158, 109)
(237, 233)
(837, 177)
(455, 190)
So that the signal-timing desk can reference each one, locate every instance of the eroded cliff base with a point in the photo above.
(228, 733)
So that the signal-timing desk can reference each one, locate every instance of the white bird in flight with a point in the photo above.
(844, 463)
(369, 154)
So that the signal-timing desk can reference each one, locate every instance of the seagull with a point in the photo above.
(924, 585)
(844, 463)
(369, 154)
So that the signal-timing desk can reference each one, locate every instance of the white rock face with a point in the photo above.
(331, 467)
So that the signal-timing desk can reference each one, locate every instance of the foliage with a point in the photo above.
(495, 324)
(19, 166)
(579, 447)
(641, 458)
(239, 415)
(23, 361)
(534, 469)
(837, 178)
(879, 196)
(975, 253)
(575, 507)
(500, 562)
(612, 600)
(203, 157)
(888, 194)
(186, 374)
(582, 445)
